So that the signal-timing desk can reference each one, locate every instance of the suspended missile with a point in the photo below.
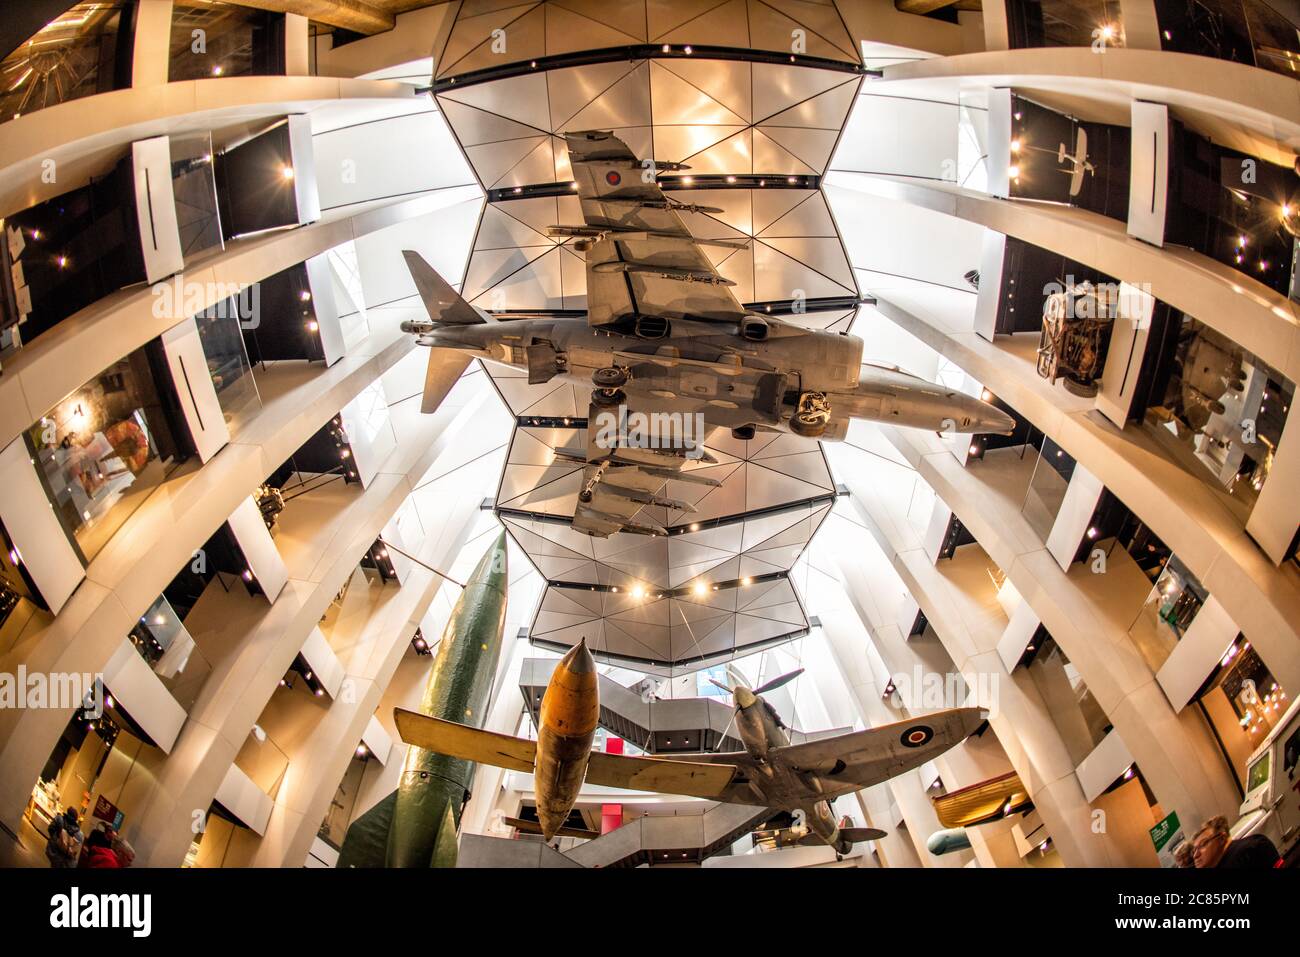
(415, 826)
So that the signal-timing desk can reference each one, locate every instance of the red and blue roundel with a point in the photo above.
(917, 736)
(613, 178)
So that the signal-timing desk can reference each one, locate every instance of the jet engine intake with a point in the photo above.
(652, 327)
(754, 328)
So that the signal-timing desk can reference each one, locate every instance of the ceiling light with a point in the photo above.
(638, 592)
(286, 172)
(218, 70)
(700, 588)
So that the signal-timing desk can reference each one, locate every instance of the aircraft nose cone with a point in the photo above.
(578, 659)
(743, 696)
(995, 420)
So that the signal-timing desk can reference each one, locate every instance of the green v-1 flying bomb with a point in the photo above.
(415, 826)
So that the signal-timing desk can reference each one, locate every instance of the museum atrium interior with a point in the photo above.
(235, 542)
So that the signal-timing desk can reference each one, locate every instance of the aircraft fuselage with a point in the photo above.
(777, 783)
(733, 381)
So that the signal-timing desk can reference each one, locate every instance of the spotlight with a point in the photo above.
(218, 70)
(700, 589)
(286, 172)
(638, 592)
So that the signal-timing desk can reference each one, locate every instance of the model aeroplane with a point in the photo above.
(770, 772)
(665, 335)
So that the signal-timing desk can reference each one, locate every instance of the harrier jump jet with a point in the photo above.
(665, 338)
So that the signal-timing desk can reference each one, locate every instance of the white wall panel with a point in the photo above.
(1128, 346)
(1273, 520)
(369, 431)
(325, 308)
(377, 740)
(1108, 761)
(303, 157)
(1197, 653)
(198, 398)
(35, 530)
(1020, 631)
(1149, 177)
(324, 664)
(155, 207)
(360, 163)
(134, 685)
(1071, 524)
(259, 549)
(900, 136)
(239, 795)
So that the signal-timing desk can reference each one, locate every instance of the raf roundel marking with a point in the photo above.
(916, 736)
(613, 178)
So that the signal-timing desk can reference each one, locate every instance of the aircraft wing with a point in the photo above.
(863, 758)
(619, 481)
(642, 260)
(461, 741)
(689, 778)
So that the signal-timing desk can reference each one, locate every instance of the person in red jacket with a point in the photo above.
(99, 851)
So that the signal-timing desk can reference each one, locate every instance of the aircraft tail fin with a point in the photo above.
(444, 304)
(366, 842)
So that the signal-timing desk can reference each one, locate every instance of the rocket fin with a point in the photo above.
(366, 843)
(445, 849)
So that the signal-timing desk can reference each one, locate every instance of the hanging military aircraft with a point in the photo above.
(665, 338)
(770, 772)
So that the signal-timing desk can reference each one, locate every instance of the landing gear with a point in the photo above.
(811, 416)
(610, 377)
(743, 433)
(607, 398)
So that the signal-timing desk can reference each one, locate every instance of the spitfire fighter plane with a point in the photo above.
(770, 772)
(664, 334)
